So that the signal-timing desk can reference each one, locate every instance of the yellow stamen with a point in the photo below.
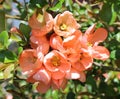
(89, 44)
(55, 61)
(63, 27)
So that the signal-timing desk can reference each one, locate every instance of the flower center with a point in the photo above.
(89, 44)
(63, 27)
(55, 61)
(33, 60)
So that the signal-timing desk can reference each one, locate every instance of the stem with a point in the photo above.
(14, 17)
(107, 67)
(26, 9)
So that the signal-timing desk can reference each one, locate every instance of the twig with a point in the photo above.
(78, 2)
(14, 17)
(107, 67)
(26, 9)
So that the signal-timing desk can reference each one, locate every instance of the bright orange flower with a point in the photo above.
(29, 61)
(56, 63)
(41, 24)
(40, 43)
(65, 24)
(91, 40)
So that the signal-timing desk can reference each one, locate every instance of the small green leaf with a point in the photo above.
(114, 15)
(69, 3)
(58, 5)
(118, 37)
(3, 40)
(37, 3)
(8, 70)
(25, 29)
(1, 75)
(2, 20)
(7, 56)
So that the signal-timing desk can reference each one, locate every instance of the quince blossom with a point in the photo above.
(62, 54)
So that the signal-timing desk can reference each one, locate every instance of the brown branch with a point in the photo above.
(107, 67)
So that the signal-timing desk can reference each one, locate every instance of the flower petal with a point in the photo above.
(82, 77)
(100, 52)
(98, 36)
(42, 87)
(58, 75)
(42, 75)
(73, 74)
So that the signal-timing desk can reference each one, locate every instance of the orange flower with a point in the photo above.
(41, 24)
(69, 46)
(29, 61)
(65, 24)
(40, 43)
(56, 63)
(91, 40)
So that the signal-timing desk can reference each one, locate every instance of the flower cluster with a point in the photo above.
(60, 51)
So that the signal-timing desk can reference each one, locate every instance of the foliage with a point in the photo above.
(102, 81)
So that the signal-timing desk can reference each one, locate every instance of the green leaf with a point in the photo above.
(58, 5)
(3, 40)
(114, 15)
(8, 70)
(118, 37)
(91, 83)
(2, 20)
(25, 29)
(108, 13)
(7, 56)
(69, 3)
(70, 95)
(38, 3)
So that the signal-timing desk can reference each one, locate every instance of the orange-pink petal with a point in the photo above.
(100, 52)
(28, 61)
(42, 87)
